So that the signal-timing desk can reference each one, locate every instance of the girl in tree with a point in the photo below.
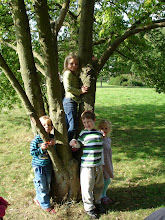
(105, 127)
(73, 91)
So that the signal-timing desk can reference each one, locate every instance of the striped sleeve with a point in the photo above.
(92, 145)
(40, 157)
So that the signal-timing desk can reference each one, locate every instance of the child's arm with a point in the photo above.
(74, 143)
(69, 88)
(52, 141)
(36, 147)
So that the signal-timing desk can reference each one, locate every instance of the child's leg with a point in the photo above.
(99, 184)
(48, 171)
(70, 108)
(106, 184)
(42, 176)
(87, 180)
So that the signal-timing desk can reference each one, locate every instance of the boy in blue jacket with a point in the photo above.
(42, 166)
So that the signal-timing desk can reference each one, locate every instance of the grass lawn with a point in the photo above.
(138, 144)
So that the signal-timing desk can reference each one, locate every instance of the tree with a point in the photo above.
(99, 26)
(144, 59)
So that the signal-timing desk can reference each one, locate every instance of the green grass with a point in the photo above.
(138, 137)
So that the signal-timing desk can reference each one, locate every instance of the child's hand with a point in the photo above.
(44, 146)
(52, 142)
(74, 149)
(84, 89)
(73, 143)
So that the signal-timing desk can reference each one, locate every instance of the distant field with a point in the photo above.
(138, 144)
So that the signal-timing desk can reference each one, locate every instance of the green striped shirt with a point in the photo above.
(92, 145)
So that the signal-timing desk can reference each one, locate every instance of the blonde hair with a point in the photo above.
(45, 118)
(67, 58)
(103, 122)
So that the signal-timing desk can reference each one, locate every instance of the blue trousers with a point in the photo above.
(42, 182)
(70, 109)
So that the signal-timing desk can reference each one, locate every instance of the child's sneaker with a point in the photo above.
(36, 202)
(100, 208)
(93, 214)
(106, 201)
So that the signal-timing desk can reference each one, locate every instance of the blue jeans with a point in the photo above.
(42, 182)
(70, 109)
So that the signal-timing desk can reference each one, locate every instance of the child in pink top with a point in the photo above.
(105, 127)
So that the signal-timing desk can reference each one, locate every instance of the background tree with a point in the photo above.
(42, 32)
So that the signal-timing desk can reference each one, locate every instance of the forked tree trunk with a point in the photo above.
(66, 170)
(65, 183)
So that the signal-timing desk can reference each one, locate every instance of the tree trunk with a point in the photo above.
(85, 32)
(88, 74)
(66, 181)
(24, 50)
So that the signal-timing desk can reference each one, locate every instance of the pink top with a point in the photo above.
(108, 166)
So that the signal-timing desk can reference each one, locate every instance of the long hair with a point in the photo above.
(67, 58)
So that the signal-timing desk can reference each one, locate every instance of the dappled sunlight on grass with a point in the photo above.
(136, 197)
(138, 137)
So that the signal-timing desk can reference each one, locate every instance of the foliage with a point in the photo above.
(125, 80)
(143, 56)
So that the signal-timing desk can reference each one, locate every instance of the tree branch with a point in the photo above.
(26, 59)
(58, 23)
(54, 92)
(35, 54)
(70, 13)
(130, 32)
(20, 91)
(123, 55)
(100, 41)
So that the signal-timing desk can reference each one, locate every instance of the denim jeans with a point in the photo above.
(42, 182)
(70, 109)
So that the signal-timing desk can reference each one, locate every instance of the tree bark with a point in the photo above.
(24, 50)
(66, 181)
(85, 31)
(88, 75)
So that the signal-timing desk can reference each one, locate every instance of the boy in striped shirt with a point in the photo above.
(42, 166)
(91, 173)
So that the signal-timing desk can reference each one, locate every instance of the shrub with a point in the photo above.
(125, 80)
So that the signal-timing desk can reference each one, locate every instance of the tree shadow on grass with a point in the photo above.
(139, 197)
(138, 134)
(144, 143)
(137, 130)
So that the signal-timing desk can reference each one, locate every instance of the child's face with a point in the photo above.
(88, 123)
(47, 125)
(104, 129)
(73, 64)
